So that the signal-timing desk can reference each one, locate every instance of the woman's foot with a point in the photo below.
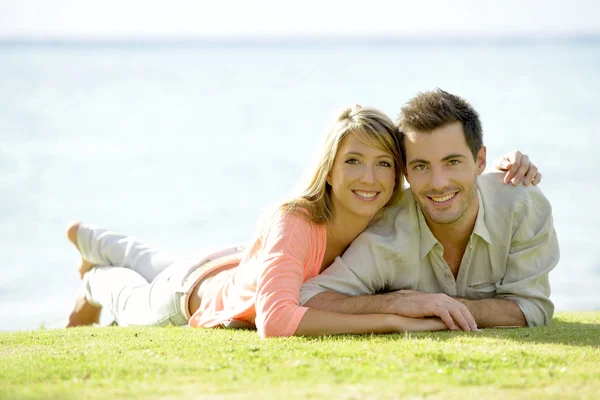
(72, 229)
(84, 312)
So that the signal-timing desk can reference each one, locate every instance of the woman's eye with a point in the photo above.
(352, 161)
(384, 164)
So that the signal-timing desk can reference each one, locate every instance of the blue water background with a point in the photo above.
(183, 145)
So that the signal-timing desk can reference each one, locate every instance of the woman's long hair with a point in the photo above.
(370, 126)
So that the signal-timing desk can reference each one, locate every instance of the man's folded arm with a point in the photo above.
(523, 295)
(406, 303)
(349, 285)
(495, 312)
(356, 273)
(365, 304)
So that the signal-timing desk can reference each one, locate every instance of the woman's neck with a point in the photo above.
(344, 229)
(341, 231)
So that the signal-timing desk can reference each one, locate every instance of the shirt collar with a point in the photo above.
(428, 240)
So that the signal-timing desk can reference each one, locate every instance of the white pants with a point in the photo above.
(137, 284)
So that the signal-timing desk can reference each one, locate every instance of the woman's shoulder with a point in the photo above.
(286, 235)
(294, 220)
(285, 228)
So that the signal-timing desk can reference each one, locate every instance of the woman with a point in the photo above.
(356, 174)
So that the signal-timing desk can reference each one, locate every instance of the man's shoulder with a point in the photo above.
(393, 234)
(500, 198)
(398, 220)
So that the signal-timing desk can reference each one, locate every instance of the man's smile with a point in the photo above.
(443, 199)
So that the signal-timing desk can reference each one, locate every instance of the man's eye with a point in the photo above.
(453, 162)
(419, 167)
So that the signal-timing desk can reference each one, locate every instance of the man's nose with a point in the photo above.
(439, 180)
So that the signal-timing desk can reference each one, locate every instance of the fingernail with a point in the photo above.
(525, 182)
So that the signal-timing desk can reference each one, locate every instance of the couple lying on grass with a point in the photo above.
(352, 252)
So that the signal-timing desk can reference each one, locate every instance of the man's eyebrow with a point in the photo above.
(448, 157)
(418, 161)
(451, 156)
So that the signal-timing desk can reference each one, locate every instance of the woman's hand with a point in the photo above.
(518, 168)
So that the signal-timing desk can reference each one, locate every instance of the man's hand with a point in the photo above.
(411, 303)
(518, 168)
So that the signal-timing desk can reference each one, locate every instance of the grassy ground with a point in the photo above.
(561, 361)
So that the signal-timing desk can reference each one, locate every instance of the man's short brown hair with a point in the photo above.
(433, 109)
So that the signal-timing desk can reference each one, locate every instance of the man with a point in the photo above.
(463, 247)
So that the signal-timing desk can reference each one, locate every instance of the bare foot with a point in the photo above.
(84, 312)
(72, 229)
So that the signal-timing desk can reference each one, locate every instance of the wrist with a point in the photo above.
(394, 323)
(389, 303)
(462, 300)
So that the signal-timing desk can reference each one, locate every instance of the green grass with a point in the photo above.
(560, 361)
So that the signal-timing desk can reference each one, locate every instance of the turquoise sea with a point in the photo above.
(184, 144)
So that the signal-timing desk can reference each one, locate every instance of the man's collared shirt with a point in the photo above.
(512, 249)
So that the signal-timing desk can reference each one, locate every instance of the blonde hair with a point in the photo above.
(370, 126)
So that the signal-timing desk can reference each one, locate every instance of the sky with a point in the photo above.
(143, 19)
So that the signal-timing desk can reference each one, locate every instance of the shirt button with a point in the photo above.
(447, 275)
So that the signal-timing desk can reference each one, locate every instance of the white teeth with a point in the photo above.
(442, 199)
(367, 195)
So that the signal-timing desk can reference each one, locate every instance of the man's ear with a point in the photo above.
(481, 160)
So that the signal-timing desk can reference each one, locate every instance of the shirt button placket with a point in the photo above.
(450, 282)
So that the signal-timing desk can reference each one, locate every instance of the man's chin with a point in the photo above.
(441, 218)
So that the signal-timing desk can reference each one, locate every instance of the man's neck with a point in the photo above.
(451, 235)
(455, 237)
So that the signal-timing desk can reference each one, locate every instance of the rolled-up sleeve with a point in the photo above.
(534, 252)
(363, 269)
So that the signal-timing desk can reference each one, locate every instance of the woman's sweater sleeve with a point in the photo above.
(291, 252)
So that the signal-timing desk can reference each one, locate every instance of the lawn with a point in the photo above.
(560, 361)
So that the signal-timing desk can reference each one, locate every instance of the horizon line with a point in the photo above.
(294, 39)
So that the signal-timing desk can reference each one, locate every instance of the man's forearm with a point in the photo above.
(341, 303)
(489, 313)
